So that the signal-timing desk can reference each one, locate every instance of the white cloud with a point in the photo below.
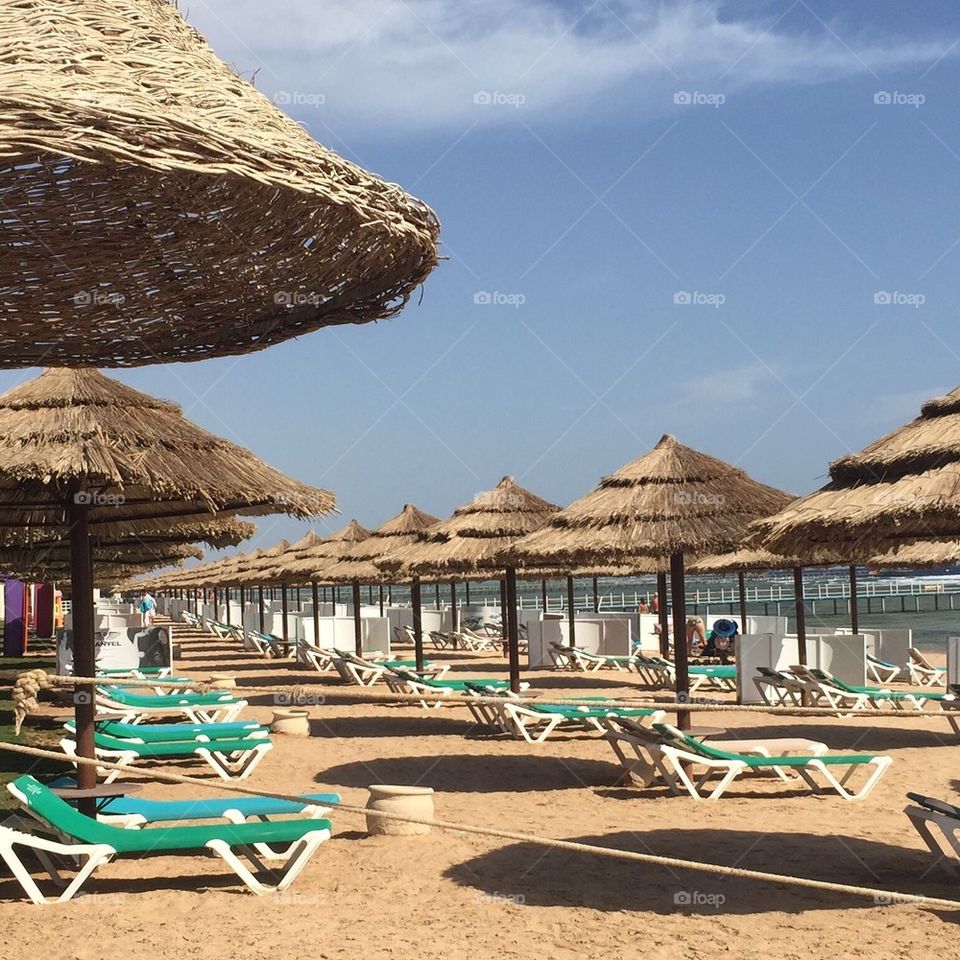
(715, 395)
(420, 63)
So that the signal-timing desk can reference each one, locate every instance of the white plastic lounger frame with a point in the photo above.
(90, 856)
(922, 672)
(320, 659)
(535, 726)
(922, 819)
(681, 763)
(236, 765)
(207, 713)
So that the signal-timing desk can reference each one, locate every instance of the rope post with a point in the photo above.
(357, 625)
(680, 658)
(513, 633)
(417, 623)
(84, 651)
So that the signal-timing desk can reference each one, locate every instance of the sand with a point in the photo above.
(450, 895)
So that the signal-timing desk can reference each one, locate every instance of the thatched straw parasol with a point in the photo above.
(909, 554)
(53, 563)
(903, 487)
(158, 207)
(357, 563)
(474, 537)
(469, 544)
(85, 454)
(671, 502)
(310, 563)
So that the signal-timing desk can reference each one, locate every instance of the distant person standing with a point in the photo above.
(147, 607)
(656, 603)
(643, 606)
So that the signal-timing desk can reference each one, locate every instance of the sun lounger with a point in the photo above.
(534, 722)
(823, 693)
(881, 671)
(91, 843)
(928, 812)
(177, 732)
(365, 673)
(189, 618)
(778, 687)
(197, 708)
(654, 670)
(264, 644)
(233, 759)
(878, 696)
(320, 658)
(478, 642)
(923, 672)
(579, 659)
(403, 681)
(683, 755)
(637, 747)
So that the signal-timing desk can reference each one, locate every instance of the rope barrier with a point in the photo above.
(365, 694)
(878, 895)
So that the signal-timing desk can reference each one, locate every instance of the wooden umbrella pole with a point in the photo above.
(596, 597)
(854, 609)
(357, 625)
(466, 592)
(417, 622)
(454, 613)
(513, 633)
(370, 594)
(283, 607)
(315, 593)
(436, 587)
(801, 615)
(84, 650)
(680, 658)
(260, 604)
(543, 594)
(742, 586)
(380, 586)
(226, 593)
(503, 613)
(571, 612)
(662, 613)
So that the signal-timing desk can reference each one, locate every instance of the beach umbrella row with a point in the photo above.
(83, 456)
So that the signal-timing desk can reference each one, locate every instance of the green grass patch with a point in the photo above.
(41, 732)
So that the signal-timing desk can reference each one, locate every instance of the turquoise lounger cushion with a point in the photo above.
(59, 814)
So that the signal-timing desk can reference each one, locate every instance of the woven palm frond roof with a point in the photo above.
(158, 207)
(673, 499)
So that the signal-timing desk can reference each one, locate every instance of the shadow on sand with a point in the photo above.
(539, 876)
(473, 774)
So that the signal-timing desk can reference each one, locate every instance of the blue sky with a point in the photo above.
(784, 200)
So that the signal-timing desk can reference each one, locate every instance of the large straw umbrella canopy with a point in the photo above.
(81, 452)
(358, 561)
(312, 562)
(903, 487)
(469, 545)
(471, 542)
(158, 207)
(134, 462)
(258, 567)
(671, 502)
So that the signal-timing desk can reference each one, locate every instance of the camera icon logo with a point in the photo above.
(682, 97)
(682, 298)
(482, 97)
(882, 97)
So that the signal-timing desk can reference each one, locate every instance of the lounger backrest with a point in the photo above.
(56, 811)
(680, 739)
